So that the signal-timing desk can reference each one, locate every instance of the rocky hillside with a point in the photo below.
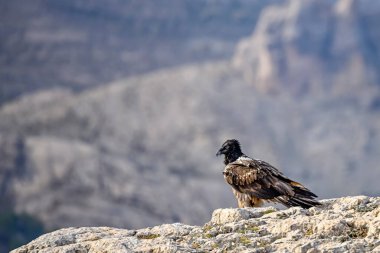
(315, 47)
(97, 159)
(141, 151)
(77, 45)
(350, 224)
(111, 147)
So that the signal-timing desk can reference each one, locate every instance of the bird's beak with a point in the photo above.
(219, 152)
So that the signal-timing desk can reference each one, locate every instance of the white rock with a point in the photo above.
(349, 224)
(221, 216)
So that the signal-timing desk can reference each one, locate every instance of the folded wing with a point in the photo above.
(261, 180)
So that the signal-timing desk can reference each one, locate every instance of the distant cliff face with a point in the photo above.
(350, 224)
(131, 153)
(77, 45)
(313, 47)
(141, 151)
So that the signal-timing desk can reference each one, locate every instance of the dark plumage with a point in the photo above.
(254, 181)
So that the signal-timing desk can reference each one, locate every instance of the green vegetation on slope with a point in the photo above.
(17, 229)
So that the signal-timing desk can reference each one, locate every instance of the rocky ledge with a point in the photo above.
(349, 224)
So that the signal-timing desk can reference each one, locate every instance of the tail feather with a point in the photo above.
(303, 192)
(297, 201)
(303, 202)
(302, 197)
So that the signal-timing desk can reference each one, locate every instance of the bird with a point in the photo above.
(255, 182)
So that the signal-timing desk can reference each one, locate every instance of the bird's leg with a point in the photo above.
(256, 202)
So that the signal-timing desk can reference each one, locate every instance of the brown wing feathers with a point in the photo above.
(265, 182)
(239, 175)
(251, 181)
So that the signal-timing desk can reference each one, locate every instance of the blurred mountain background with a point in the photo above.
(111, 114)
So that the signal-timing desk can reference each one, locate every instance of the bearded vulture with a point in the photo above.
(254, 181)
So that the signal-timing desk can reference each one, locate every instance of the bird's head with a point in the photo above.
(231, 151)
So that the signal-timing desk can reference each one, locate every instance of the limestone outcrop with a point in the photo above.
(349, 224)
(314, 47)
